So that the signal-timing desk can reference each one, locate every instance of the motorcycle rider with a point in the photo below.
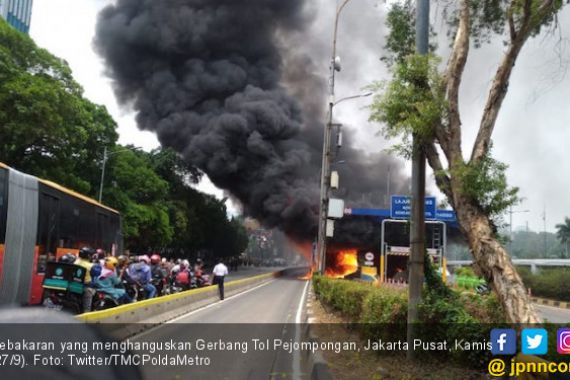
(83, 261)
(68, 258)
(202, 279)
(183, 275)
(140, 273)
(108, 280)
(123, 264)
(157, 272)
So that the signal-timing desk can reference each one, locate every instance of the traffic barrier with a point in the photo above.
(135, 317)
(314, 365)
(553, 303)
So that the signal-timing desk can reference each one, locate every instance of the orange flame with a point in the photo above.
(306, 250)
(343, 264)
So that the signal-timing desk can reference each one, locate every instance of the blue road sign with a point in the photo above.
(446, 215)
(401, 207)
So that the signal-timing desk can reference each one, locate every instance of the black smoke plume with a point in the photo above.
(215, 80)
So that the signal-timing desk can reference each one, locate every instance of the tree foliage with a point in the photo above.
(485, 182)
(163, 212)
(47, 127)
(563, 233)
(423, 100)
(412, 103)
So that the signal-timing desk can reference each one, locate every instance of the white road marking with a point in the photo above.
(301, 304)
(136, 336)
(298, 327)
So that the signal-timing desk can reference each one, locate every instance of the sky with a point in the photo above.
(66, 28)
(531, 135)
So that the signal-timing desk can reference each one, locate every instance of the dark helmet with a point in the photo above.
(68, 258)
(86, 253)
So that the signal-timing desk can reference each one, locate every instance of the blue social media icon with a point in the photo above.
(503, 342)
(534, 341)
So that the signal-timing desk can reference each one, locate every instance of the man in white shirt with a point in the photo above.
(219, 272)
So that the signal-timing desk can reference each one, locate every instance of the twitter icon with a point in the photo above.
(534, 341)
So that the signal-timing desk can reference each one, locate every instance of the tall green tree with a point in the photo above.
(563, 233)
(199, 221)
(137, 191)
(423, 101)
(47, 127)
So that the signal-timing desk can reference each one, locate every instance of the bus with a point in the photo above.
(41, 220)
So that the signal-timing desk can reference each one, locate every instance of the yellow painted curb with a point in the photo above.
(97, 315)
(547, 302)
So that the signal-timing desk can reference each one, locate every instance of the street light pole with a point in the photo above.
(511, 212)
(417, 230)
(325, 165)
(102, 175)
(106, 155)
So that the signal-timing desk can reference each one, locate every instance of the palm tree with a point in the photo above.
(563, 233)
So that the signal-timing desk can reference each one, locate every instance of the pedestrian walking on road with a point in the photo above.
(219, 272)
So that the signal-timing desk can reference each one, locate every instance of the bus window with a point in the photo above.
(3, 203)
(102, 239)
(48, 228)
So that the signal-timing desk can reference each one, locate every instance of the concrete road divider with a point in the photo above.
(135, 317)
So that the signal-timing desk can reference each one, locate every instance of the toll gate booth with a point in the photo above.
(394, 242)
(394, 258)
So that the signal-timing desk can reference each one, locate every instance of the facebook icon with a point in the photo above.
(503, 342)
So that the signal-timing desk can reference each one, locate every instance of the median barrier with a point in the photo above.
(315, 366)
(126, 320)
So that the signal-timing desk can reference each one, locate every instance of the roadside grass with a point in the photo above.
(348, 365)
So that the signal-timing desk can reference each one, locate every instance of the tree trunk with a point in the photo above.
(494, 263)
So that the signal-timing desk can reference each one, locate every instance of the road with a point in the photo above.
(244, 272)
(264, 312)
(553, 314)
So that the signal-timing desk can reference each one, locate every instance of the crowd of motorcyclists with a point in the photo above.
(111, 281)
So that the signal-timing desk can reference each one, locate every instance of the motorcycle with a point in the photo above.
(63, 286)
(160, 284)
(203, 280)
(134, 290)
(103, 301)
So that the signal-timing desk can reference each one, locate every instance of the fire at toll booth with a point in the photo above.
(369, 245)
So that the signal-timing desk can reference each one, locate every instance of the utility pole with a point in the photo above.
(544, 229)
(511, 237)
(417, 230)
(106, 156)
(102, 175)
(325, 165)
(388, 188)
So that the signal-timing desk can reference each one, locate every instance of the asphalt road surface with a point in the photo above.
(266, 312)
(553, 314)
(244, 272)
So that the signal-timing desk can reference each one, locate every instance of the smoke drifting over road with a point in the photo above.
(220, 82)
